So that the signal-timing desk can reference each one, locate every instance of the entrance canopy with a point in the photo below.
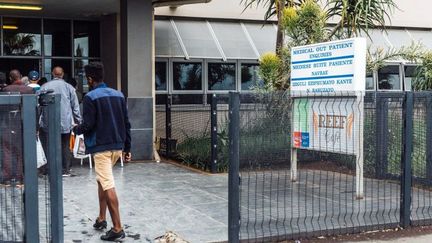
(80, 8)
(64, 8)
(213, 39)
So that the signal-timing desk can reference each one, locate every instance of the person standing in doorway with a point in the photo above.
(106, 130)
(70, 115)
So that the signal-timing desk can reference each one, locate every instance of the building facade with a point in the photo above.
(187, 48)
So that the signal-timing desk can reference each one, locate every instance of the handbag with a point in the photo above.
(79, 147)
(41, 158)
(72, 142)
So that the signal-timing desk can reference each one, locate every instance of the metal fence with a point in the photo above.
(31, 202)
(272, 199)
(197, 133)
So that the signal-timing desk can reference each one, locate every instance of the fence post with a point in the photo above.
(31, 198)
(381, 130)
(214, 139)
(55, 169)
(168, 104)
(407, 138)
(234, 175)
(429, 135)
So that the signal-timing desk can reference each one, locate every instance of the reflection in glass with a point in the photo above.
(86, 39)
(221, 76)
(187, 76)
(161, 75)
(22, 36)
(389, 78)
(79, 75)
(57, 37)
(250, 78)
(409, 75)
(369, 82)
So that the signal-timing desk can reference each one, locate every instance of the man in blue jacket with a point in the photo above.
(106, 130)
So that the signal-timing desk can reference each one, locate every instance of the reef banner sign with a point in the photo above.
(329, 67)
(327, 126)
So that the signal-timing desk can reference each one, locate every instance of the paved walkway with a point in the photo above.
(160, 197)
(154, 198)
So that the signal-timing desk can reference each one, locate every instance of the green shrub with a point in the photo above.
(196, 152)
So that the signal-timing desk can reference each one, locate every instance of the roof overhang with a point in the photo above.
(176, 3)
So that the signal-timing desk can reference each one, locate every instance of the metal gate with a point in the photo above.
(31, 201)
(265, 204)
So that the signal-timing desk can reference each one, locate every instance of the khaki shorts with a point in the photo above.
(104, 161)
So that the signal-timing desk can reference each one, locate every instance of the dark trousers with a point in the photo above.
(66, 153)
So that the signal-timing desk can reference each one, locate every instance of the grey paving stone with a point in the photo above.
(154, 198)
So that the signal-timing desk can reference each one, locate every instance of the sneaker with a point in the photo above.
(113, 236)
(66, 174)
(100, 225)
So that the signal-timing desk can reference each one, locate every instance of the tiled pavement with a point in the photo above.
(154, 198)
(160, 197)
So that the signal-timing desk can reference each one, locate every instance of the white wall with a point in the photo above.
(411, 13)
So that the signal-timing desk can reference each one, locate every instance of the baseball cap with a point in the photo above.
(33, 75)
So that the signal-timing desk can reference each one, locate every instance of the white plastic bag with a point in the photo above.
(41, 158)
(79, 147)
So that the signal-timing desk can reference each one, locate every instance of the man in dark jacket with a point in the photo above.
(106, 130)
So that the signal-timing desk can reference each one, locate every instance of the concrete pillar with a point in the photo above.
(110, 49)
(137, 72)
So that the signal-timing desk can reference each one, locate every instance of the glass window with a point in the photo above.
(22, 37)
(57, 37)
(409, 75)
(161, 99)
(184, 99)
(66, 64)
(86, 39)
(221, 76)
(250, 77)
(187, 76)
(389, 78)
(79, 75)
(220, 98)
(370, 82)
(161, 75)
(24, 65)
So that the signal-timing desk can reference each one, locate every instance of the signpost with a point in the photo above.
(328, 83)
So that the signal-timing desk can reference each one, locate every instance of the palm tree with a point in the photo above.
(274, 8)
(20, 44)
(356, 16)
